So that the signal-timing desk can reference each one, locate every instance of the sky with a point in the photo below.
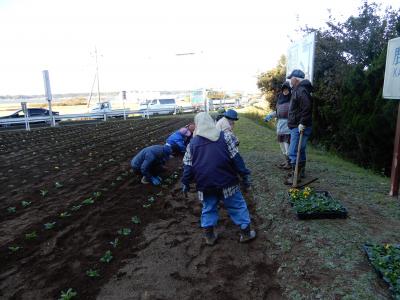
(138, 41)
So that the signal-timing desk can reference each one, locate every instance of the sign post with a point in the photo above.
(49, 96)
(26, 116)
(391, 90)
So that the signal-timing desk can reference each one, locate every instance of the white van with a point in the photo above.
(158, 106)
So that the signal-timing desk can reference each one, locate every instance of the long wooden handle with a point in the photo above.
(296, 170)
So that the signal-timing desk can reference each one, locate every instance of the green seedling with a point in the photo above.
(135, 220)
(160, 193)
(88, 201)
(11, 210)
(107, 257)
(85, 173)
(58, 185)
(14, 248)
(49, 225)
(76, 207)
(97, 194)
(146, 205)
(125, 231)
(68, 295)
(115, 243)
(92, 273)
(65, 214)
(31, 236)
(26, 203)
(151, 199)
(119, 178)
(44, 193)
(113, 183)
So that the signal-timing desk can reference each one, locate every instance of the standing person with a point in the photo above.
(299, 119)
(282, 130)
(213, 162)
(179, 140)
(149, 163)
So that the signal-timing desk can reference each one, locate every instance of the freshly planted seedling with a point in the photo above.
(31, 236)
(11, 210)
(107, 257)
(26, 203)
(135, 220)
(68, 295)
(49, 225)
(115, 243)
(88, 201)
(146, 205)
(113, 183)
(76, 207)
(151, 199)
(44, 193)
(65, 214)
(14, 248)
(160, 193)
(119, 178)
(58, 185)
(125, 231)
(92, 273)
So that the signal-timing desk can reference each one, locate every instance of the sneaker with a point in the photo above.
(247, 234)
(210, 236)
(144, 180)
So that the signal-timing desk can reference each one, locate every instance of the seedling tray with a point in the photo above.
(340, 213)
(368, 250)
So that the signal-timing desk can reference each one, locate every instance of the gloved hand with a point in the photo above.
(159, 178)
(185, 189)
(155, 180)
(246, 182)
(268, 118)
(301, 127)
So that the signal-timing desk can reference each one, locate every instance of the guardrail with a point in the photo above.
(55, 118)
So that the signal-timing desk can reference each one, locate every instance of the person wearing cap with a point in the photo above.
(149, 162)
(179, 140)
(212, 160)
(299, 120)
(282, 130)
(220, 115)
(227, 122)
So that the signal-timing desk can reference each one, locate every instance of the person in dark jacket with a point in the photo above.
(299, 119)
(213, 162)
(282, 130)
(149, 161)
(220, 115)
(179, 140)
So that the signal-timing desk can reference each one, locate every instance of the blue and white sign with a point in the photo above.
(301, 56)
(391, 85)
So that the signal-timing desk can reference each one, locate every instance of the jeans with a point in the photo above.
(294, 142)
(235, 204)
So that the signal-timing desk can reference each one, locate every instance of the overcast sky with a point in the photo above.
(137, 41)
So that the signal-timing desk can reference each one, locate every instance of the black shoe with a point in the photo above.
(247, 234)
(210, 236)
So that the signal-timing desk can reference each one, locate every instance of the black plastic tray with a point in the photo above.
(321, 215)
(367, 249)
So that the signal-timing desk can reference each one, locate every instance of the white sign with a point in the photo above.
(301, 56)
(391, 84)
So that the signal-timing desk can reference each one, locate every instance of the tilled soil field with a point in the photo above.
(72, 216)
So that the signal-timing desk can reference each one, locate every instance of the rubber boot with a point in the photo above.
(247, 234)
(302, 171)
(210, 236)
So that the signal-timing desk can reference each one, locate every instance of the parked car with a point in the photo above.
(32, 112)
(158, 106)
(105, 107)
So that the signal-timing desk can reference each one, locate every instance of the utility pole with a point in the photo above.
(97, 74)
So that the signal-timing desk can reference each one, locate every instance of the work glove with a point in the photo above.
(159, 178)
(268, 118)
(155, 180)
(246, 182)
(185, 189)
(301, 127)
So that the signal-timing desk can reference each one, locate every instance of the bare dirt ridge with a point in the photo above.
(161, 256)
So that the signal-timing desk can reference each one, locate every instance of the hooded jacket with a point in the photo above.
(300, 108)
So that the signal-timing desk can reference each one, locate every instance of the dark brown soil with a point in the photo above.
(163, 257)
